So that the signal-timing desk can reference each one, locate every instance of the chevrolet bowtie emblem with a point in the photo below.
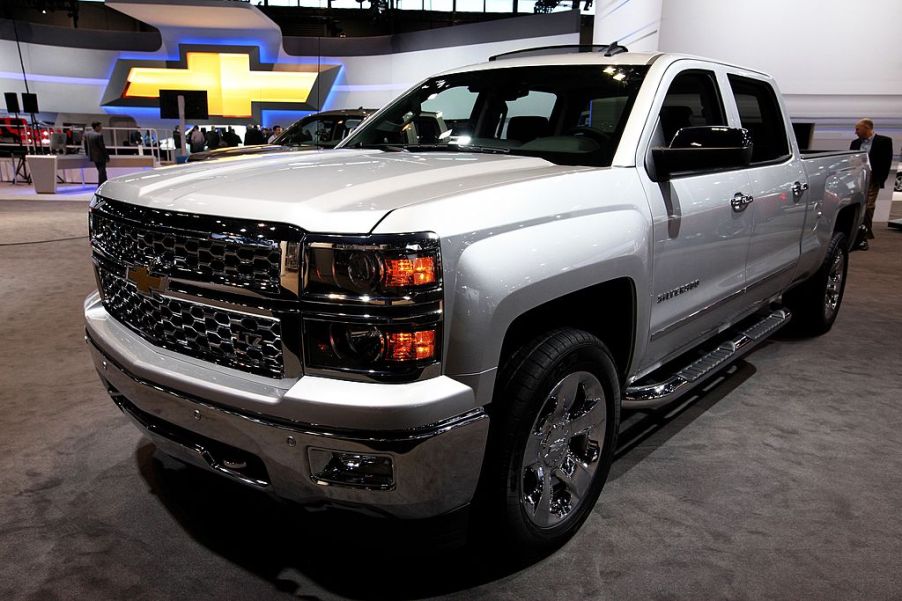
(238, 84)
(144, 281)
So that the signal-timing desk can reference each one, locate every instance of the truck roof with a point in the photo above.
(588, 58)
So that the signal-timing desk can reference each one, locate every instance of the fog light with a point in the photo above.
(351, 469)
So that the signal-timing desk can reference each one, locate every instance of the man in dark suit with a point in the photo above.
(253, 136)
(880, 153)
(96, 150)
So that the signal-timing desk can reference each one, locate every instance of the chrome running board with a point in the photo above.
(664, 391)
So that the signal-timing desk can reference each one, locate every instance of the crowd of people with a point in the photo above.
(201, 138)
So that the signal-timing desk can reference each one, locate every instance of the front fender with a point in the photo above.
(501, 277)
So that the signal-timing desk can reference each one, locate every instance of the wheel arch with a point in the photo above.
(586, 309)
(846, 220)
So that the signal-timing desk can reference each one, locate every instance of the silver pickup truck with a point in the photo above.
(453, 307)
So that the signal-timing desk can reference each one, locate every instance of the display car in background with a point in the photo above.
(322, 130)
(453, 307)
(19, 131)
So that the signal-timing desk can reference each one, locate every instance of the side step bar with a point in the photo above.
(658, 394)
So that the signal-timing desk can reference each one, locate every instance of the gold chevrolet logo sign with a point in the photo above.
(144, 281)
(228, 80)
(238, 85)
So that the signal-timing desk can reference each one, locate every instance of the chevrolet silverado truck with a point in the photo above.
(452, 308)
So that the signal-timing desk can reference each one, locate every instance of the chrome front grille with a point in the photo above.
(226, 253)
(214, 288)
(244, 341)
(255, 266)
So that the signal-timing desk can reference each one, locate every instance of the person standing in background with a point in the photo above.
(230, 137)
(276, 132)
(880, 154)
(214, 140)
(196, 140)
(96, 150)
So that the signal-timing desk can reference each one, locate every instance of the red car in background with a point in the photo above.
(15, 130)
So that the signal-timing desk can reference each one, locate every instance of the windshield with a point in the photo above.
(570, 114)
(318, 131)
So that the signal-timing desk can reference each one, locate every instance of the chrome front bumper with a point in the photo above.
(435, 467)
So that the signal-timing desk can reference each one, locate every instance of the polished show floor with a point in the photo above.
(781, 481)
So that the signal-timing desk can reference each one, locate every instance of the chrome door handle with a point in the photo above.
(741, 201)
(798, 189)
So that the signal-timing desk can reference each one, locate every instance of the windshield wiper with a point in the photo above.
(456, 148)
(396, 147)
(387, 147)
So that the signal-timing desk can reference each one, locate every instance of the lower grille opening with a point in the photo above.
(226, 459)
(238, 340)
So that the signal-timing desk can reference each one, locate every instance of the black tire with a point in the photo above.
(524, 412)
(816, 302)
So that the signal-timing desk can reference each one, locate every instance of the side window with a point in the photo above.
(692, 99)
(313, 132)
(759, 112)
(350, 125)
(324, 131)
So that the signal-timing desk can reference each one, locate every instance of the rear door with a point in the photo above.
(700, 241)
(779, 186)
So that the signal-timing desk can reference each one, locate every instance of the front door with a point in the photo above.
(700, 238)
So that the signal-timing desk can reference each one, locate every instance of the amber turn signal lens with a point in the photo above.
(410, 346)
(410, 272)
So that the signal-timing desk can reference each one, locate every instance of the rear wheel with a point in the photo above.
(553, 438)
(815, 303)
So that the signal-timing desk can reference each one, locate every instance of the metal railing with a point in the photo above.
(119, 141)
(20, 139)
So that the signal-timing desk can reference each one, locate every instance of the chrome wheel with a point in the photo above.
(563, 450)
(834, 288)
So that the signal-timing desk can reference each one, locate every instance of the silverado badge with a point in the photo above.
(678, 291)
(144, 281)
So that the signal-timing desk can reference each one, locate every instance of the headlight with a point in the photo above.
(373, 304)
(371, 267)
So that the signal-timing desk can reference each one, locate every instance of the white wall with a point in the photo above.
(634, 23)
(833, 59)
(850, 50)
(78, 76)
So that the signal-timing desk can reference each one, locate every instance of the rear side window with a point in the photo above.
(759, 112)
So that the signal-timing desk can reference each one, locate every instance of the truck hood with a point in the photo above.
(340, 191)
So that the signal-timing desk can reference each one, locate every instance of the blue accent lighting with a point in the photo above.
(138, 112)
(283, 118)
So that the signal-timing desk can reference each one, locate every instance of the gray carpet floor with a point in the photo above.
(782, 480)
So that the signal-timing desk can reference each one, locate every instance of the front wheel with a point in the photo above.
(552, 444)
(815, 303)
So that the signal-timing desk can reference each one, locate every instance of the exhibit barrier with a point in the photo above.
(18, 140)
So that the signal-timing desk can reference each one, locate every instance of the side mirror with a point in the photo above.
(702, 149)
